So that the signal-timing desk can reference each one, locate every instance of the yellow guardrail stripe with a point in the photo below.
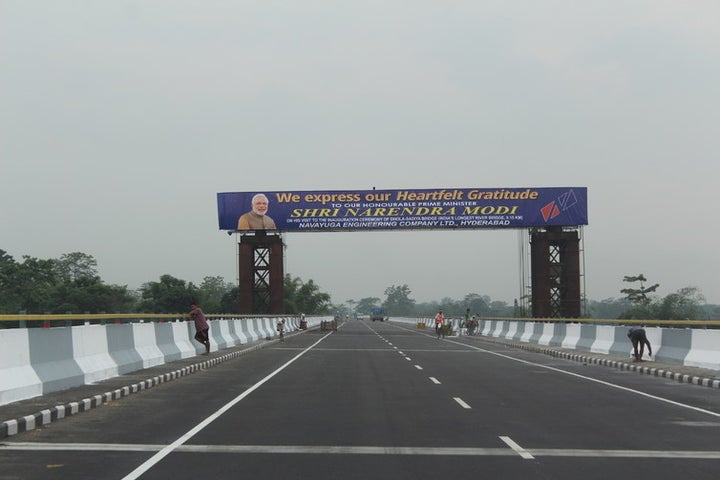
(119, 316)
(611, 321)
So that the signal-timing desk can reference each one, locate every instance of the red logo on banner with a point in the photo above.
(550, 211)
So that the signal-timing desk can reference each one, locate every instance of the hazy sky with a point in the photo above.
(120, 120)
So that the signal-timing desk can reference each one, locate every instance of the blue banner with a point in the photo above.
(347, 210)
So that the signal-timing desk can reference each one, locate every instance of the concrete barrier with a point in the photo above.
(92, 354)
(604, 339)
(53, 359)
(18, 379)
(688, 347)
(42, 360)
(704, 351)
(528, 331)
(573, 334)
(547, 333)
(674, 346)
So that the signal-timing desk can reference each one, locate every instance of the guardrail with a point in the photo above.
(594, 321)
(74, 319)
(603, 321)
(69, 319)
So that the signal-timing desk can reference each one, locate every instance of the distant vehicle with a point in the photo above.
(377, 314)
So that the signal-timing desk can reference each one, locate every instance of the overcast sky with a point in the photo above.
(120, 121)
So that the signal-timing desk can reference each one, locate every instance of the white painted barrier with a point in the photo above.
(604, 339)
(90, 349)
(17, 377)
(572, 336)
(689, 347)
(704, 351)
(41, 360)
(146, 344)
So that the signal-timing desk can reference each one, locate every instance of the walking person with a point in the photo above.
(281, 329)
(439, 321)
(638, 337)
(202, 329)
(466, 323)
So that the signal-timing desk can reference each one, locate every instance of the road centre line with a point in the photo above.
(200, 426)
(577, 375)
(435, 380)
(418, 367)
(462, 403)
(366, 450)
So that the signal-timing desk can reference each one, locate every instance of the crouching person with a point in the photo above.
(202, 329)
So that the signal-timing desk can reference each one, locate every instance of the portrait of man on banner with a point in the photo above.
(257, 218)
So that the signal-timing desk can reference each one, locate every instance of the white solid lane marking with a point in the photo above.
(434, 380)
(368, 450)
(196, 429)
(462, 403)
(591, 379)
(517, 448)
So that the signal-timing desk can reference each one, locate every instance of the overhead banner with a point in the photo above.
(445, 208)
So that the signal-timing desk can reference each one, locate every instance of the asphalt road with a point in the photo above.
(378, 400)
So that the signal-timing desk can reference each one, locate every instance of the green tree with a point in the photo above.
(90, 295)
(638, 296)
(9, 300)
(366, 305)
(304, 297)
(212, 292)
(398, 301)
(476, 303)
(229, 302)
(641, 304)
(26, 286)
(451, 307)
(76, 265)
(681, 305)
(169, 295)
(608, 308)
(499, 308)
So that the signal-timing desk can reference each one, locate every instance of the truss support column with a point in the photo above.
(260, 274)
(555, 273)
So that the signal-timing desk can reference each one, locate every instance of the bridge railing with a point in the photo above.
(691, 343)
(75, 319)
(34, 361)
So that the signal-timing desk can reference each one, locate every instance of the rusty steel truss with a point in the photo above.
(555, 273)
(260, 274)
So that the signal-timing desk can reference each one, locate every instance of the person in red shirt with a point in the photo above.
(202, 328)
(439, 320)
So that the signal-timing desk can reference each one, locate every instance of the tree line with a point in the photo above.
(688, 303)
(72, 284)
